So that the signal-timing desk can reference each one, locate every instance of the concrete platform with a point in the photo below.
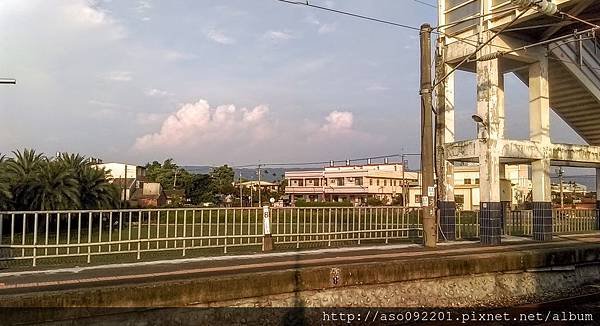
(230, 279)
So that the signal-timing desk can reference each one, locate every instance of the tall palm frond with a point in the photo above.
(53, 188)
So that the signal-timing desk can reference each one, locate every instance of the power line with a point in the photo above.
(425, 3)
(307, 4)
(489, 40)
(274, 164)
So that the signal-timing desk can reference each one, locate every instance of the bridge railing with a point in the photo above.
(123, 235)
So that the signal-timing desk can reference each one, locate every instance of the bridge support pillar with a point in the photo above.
(445, 134)
(490, 101)
(539, 131)
(597, 199)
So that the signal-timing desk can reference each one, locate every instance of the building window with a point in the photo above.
(358, 181)
(378, 182)
(394, 183)
(315, 182)
(340, 182)
(467, 181)
(370, 182)
(300, 183)
(476, 181)
(418, 199)
(459, 199)
(385, 182)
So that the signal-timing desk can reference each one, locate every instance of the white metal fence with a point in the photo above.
(520, 223)
(32, 236)
(119, 235)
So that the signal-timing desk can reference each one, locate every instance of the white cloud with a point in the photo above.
(198, 124)
(338, 121)
(219, 37)
(155, 92)
(120, 76)
(327, 28)
(324, 28)
(377, 88)
(104, 104)
(173, 55)
(277, 36)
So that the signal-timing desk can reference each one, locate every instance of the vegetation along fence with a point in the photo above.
(118, 235)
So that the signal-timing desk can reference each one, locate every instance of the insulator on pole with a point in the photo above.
(490, 56)
(543, 6)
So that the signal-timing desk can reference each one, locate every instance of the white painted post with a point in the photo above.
(267, 238)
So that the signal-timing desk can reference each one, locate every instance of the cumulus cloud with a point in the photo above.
(338, 121)
(195, 123)
(219, 37)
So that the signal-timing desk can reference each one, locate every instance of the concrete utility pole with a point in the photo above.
(259, 186)
(241, 192)
(427, 201)
(560, 177)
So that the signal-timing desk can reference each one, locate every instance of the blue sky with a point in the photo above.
(229, 81)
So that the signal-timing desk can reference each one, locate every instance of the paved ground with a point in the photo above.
(146, 272)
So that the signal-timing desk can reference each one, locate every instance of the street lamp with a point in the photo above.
(480, 123)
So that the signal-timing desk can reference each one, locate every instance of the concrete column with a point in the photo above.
(444, 135)
(489, 93)
(598, 199)
(539, 131)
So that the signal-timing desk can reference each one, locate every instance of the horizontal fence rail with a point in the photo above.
(520, 222)
(77, 236)
(72, 237)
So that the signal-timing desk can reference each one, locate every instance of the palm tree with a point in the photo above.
(95, 190)
(54, 188)
(22, 170)
(5, 193)
(74, 162)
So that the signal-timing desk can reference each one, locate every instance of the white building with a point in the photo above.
(354, 183)
(128, 177)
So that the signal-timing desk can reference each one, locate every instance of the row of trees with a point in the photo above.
(216, 187)
(197, 188)
(33, 181)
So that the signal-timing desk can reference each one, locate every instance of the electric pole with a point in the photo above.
(259, 186)
(560, 177)
(427, 197)
(241, 192)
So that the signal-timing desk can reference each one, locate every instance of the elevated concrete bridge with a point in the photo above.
(558, 58)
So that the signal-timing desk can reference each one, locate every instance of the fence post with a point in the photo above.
(225, 233)
(35, 228)
(267, 238)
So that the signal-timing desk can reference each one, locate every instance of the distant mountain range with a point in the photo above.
(267, 174)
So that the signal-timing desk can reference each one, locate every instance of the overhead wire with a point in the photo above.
(273, 164)
(489, 40)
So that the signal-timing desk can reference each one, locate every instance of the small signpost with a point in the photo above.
(267, 238)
